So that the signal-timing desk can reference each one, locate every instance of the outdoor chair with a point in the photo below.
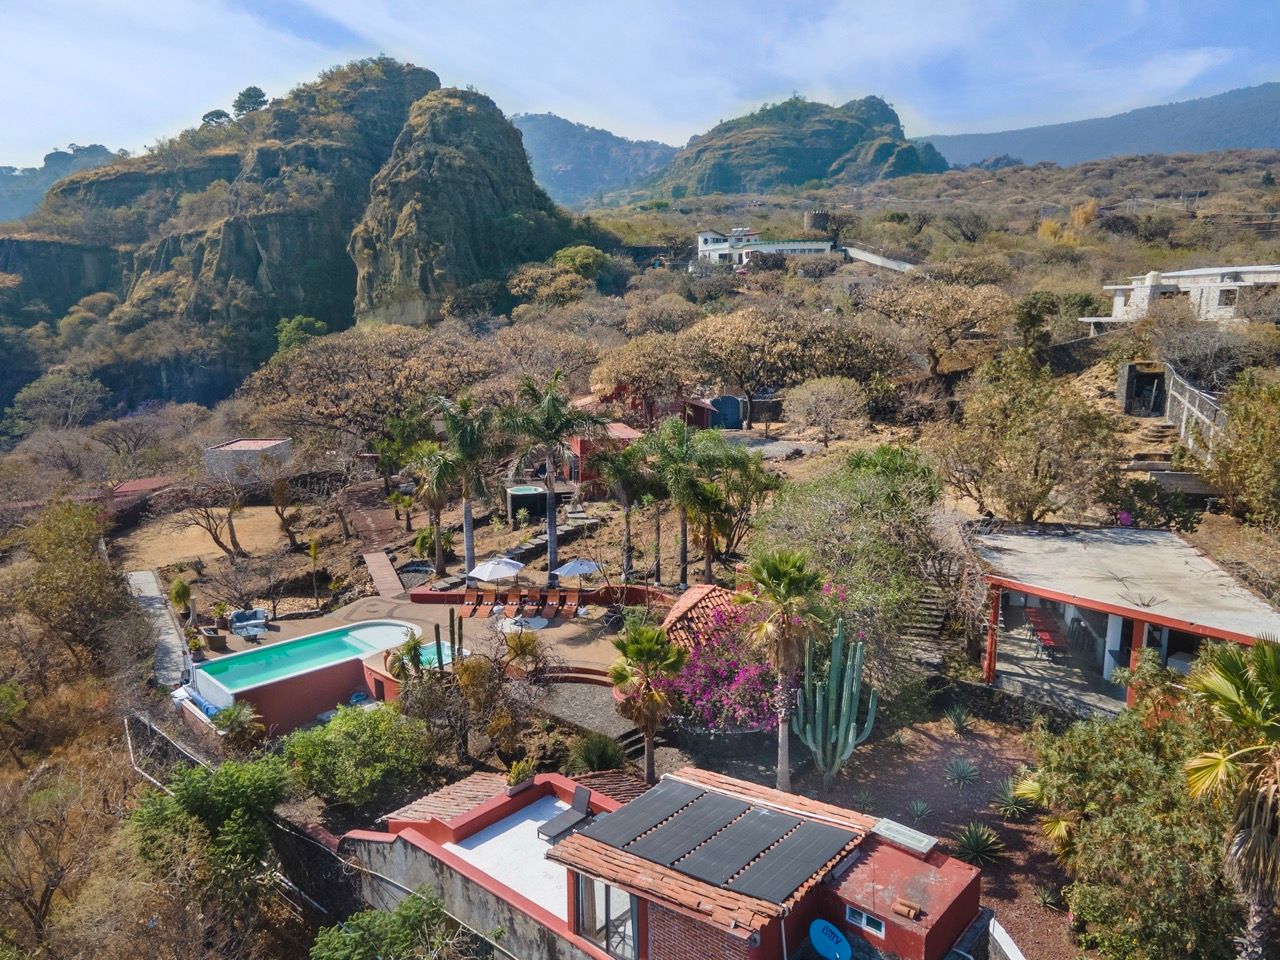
(579, 810)
(512, 608)
(571, 602)
(470, 597)
(488, 600)
(551, 607)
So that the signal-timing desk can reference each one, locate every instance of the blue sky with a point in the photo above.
(123, 72)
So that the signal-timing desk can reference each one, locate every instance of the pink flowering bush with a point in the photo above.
(725, 685)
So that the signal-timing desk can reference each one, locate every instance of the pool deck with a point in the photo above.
(579, 642)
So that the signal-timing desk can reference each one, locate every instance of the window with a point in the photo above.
(873, 925)
(606, 917)
(1227, 298)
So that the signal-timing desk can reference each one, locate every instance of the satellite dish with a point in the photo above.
(829, 942)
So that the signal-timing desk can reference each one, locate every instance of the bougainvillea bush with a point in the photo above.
(726, 685)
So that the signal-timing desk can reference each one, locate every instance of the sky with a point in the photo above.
(125, 72)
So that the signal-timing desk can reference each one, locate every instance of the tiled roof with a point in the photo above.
(453, 800)
(617, 784)
(731, 912)
(693, 614)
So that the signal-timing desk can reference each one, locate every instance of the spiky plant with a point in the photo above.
(1007, 802)
(960, 720)
(239, 723)
(961, 772)
(595, 751)
(919, 810)
(978, 844)
(862, 800)
(1048, 897)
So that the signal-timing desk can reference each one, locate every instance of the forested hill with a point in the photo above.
(796, 142)
(574, 162)
(1248, 118)
(22, 189)
(370, 193)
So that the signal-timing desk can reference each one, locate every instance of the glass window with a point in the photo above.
(866, 921)
(606, 917)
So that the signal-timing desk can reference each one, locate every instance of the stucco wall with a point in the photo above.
(474, 906)
(288, 703)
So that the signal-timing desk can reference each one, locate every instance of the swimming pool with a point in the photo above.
(527, 490)
(238, 672)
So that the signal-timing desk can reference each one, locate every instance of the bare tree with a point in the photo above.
(208, 505)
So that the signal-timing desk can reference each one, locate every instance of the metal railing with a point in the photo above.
(1195, 413)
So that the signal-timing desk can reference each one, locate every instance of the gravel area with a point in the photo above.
(587, 705)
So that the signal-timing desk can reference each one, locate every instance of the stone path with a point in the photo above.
(375, 523)
(170, 651)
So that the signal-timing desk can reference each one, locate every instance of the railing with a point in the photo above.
(1195, 413)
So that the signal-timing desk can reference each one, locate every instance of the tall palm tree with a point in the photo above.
(645, 655)
(435, 470)
(541, 421)
(475, 442)
(789, 590)
(1241, 685)
(627, 474)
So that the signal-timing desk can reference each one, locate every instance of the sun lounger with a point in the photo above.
(488, 600)
(470, 597)
(551, 607)
(571, 602)
(511, 610)
(580, 810)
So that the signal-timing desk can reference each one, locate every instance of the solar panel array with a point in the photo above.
(720, 840)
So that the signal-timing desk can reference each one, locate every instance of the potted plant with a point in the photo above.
(220, 610)
(193, 643)
(520, 776)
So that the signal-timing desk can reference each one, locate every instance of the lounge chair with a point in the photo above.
(488, 600)
(534, 602)
(512, 608)
(579, 810)
(551, 607)
(571, 602)
(470, 597)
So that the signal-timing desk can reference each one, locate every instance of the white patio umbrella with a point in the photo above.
(577, 568)
(499, 568)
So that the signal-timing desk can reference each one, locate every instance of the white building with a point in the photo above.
(740, 244)
(1212, 293)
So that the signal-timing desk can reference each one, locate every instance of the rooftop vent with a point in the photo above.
(900, 835)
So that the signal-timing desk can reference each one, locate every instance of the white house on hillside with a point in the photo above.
(740, 244)
(1213, 293)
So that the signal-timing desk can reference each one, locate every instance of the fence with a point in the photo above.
(1195, 413)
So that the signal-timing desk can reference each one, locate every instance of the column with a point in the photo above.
(993, 634)
(1115, 624)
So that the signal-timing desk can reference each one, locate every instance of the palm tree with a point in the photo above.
(626, 472)
(474, 442)
(671, 448)
(405, 661)
(784, 583)
(1241, 686)
(435, 470)
(541, 421)
(239, 723)
(645, 655)
(180, 597)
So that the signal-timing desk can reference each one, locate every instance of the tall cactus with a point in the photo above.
(827, 711)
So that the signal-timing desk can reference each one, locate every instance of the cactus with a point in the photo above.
(455, 636)
(827, 710)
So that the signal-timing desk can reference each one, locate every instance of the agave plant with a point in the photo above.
(978, 844)
(862, 800)
(919, 810)
(1008, 802)
(961, 772)
(1048, 897)
(595, 751)
(959, 718)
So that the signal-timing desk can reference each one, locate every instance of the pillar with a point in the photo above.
(1136, 646)
(993, 634)
(1115, 625)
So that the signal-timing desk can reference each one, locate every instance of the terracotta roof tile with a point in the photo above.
(453, 800)
(694, 613)
(619, 785)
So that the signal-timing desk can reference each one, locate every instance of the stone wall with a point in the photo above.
(673, 936)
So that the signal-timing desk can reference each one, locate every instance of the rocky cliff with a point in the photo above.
(454, 204)
(796, 142)
(21, 190)
(218, 233)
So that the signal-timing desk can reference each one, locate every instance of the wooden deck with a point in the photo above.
(385, 579)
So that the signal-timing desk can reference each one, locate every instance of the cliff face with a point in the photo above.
(796, 142)
(22, 190)
(455, 203)
(57, 273)
(574, 162)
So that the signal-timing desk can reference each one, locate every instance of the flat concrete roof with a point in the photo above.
(1148, 571)
(250, 443)
(511, 852)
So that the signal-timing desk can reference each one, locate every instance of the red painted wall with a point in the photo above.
(289, 703)
(948, 928)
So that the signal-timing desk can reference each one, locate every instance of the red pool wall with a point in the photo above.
(287, 704)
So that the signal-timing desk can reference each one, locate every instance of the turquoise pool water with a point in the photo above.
(240, 671)
(526, 490)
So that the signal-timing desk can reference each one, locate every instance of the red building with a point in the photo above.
(579, 466)
(700, 866)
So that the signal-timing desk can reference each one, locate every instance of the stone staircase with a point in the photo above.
(633, 744)
(919, 638)
(1159, 434)
(575, 524)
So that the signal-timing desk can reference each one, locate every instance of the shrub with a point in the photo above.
(362, 755)
(595, 751)
(520, 771)
(978, 844)
(962, 772)
(1007, 802)
(862, 800)
(959, 718)
(1048, 897)
(919, 810)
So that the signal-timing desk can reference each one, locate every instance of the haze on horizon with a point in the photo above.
(125, 73)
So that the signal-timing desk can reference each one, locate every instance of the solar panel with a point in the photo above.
(796, 858)
(643, 813)
(701, 819)
(737, 845)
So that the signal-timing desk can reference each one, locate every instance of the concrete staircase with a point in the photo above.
(1159, 434)
(919, 638)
